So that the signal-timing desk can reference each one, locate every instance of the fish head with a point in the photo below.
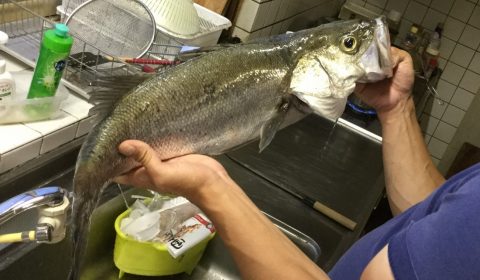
(338, 56)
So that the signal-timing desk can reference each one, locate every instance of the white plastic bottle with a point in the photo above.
(7, 83)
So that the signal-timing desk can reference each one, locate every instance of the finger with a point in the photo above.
(143, 154)
(397, 56)
(359, 88)
(122, 179)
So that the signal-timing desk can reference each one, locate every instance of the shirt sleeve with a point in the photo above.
(444, 244)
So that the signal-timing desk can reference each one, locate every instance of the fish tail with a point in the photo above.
(87, 189)
(88, 183)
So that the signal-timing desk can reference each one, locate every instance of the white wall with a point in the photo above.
(260, 18)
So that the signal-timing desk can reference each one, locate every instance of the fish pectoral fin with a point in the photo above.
(270, 128)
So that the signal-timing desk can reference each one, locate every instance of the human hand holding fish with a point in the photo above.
(185, 176)
(390, 95)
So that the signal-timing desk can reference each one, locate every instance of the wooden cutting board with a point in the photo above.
(218, 6)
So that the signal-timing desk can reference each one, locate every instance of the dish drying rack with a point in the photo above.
(25, 21)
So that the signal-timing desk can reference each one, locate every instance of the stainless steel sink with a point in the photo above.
(334, 163)
(32, 261)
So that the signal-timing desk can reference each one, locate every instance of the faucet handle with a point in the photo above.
(51, 196)
(55, 217)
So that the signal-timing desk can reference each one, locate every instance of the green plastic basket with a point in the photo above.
(152, 259)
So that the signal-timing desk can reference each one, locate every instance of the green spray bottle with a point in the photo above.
(52, 60)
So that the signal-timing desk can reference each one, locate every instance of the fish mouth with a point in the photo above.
(377, 59)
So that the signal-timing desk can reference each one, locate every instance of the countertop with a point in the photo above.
(20, 143)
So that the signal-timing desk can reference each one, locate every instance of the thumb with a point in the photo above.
(142, 153)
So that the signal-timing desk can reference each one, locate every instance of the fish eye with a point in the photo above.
(348, 44)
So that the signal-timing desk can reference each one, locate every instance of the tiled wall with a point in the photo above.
(260, 18)
(459, 59)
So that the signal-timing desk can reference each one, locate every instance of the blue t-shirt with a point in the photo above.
(439, 238)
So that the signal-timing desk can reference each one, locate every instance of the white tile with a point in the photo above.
(16, 135)
(274, 9)
(294, 8)
(427, 138)
(428, 124)
(357, 2)
(58, 138)
(378, 3)
(435, 161)
(20, 155)
(445, 90)
(462, 55)
(246, 15)
(475, 18)
(374, 8)
(76, 106)
(443, 6)
(442, 62)
(276, 28)
(437, 148)
(453, 116)
(453, 28)
(399, 6)
(12, 64)
(435, 108)
(403, 29)
(286, 25)
(445, 132)
(453, 73)
(415, 12)
(282, 11)
(470, 37)
(240, 33)
(265, 16)
(462, 10)
(462, 99)
(475, 64)
(470, 82)
(424, 2)
(49, 126)
(446, 48)
(85, 126)
(432, 18)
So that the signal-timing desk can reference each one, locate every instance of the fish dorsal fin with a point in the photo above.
(108, 90)
(312, 84)
(270, 128)
(197, 52)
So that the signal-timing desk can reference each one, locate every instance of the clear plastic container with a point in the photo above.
(411, 39)
(20, 109)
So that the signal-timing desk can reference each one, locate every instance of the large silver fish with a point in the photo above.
(225, 98)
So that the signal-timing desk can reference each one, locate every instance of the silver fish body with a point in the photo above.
(219, 101)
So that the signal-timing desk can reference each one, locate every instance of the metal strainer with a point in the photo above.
(120, 28)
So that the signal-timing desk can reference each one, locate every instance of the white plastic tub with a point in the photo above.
(211, 26)
(21, 109)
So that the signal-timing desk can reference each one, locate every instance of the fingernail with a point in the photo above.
(128, 150)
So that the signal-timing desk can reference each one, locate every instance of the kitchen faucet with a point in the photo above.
(53, 205)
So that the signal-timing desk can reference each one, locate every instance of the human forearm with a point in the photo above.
(259, 248)
(410, 174)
